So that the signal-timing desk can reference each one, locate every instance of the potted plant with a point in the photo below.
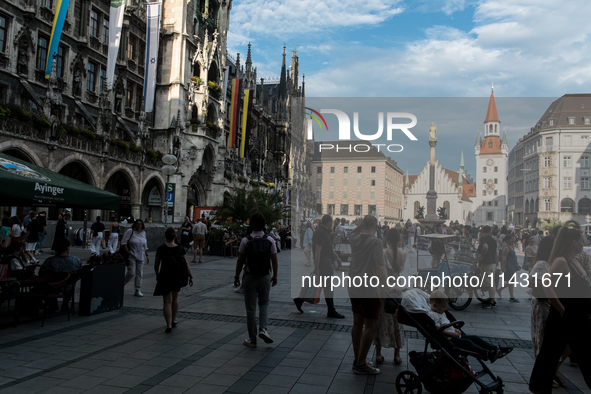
(216, 244)
(101, 290)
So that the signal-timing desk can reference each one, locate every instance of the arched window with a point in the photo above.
(490, 128)
(495, 129)
(537, 206)
(416, 210)
(567, 205)
(584, 206)
(526, 206)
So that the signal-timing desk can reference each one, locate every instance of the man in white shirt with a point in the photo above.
(199, 231)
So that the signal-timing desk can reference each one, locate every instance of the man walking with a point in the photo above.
(308, 234)
(367, 259)
(488, 258)
(199, 231)
(98, 230)
(32, 236)
(411, 236)
(257, 254)
(324, 255)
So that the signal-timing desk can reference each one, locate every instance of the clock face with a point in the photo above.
(490, 162)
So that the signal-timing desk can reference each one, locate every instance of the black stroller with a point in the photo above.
(445, 370)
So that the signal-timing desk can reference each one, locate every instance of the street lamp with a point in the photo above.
(168, 169)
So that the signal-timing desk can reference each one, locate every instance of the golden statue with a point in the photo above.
(432, 131)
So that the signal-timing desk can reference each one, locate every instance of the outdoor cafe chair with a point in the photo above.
(54, 285)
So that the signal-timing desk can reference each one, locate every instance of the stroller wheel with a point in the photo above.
(407, 382)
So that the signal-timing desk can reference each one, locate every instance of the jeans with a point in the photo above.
(326, 269)
(135, 269)
(41, 238)
(474, 343)
(256, 288)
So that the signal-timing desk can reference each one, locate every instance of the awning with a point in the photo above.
(25, 184)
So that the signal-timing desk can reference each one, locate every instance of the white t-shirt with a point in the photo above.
(17, 230)
(440, 319)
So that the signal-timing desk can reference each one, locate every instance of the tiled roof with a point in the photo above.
(577, 106)
(496, 145)
(491, 112)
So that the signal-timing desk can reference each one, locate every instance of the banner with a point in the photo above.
(61, 9)
(115, 25)
(234, 113)
(246, 121)
(152, 36)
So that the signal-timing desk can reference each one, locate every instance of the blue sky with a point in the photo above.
(448, 48)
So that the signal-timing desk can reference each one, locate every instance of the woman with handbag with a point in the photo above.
(568, 322)
(390, 334)
(170, 277)
(135, 245)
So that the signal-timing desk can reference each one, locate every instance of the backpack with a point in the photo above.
(177, 268)
(258, 255)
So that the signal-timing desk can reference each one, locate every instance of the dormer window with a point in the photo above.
(587, 121)
(571, 121)
(551, 122)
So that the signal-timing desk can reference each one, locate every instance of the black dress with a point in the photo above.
(167, 281)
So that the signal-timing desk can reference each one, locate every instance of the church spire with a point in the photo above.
(477, 139)
(461, 172)
(406, 183)
(491, 112)
(283, 79)
(504, 141)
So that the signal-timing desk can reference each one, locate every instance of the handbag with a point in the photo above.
(310, 293)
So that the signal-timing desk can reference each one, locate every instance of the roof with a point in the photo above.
(496, 145)
(491, 112)
(453, 175)
(469, 191)
(577, 106)
(345, 155)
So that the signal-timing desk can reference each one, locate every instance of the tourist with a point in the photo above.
(487, 258)
(186, 230)
(16, 229)
(61, 230)
(171, 276)
(276, 238)
(97, 231)
(411, 236)
(388, 332)
(31, 237)
(568, 321)
(258, 257)
(367, 259)
(199, 232)
(5, 233)
(12, 257)
(474, 231)
(42, 219)
(530, 254)
(510, 267)
(308, 234)
(135, 245)
(324, 255)
(229, 240)
(113, 235)
(63, 261)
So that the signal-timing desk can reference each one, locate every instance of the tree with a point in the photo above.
(240, 205)
(551, 225)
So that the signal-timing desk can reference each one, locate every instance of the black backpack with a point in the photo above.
(258, 255)
(176, 266)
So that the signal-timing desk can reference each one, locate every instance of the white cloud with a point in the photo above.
(452, 6)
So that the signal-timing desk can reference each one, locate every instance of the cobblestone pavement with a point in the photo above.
(127, 351)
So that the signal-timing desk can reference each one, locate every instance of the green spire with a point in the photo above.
(504, 141)
(406, 184)
(477, 139)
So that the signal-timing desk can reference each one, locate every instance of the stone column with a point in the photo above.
(432, 194)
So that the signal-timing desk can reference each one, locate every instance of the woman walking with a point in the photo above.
(509, 266)
(530, 254)
(186, 230)
(389, 334)
(135, 245)
(168, 278)
(113, 235)
(568, 321)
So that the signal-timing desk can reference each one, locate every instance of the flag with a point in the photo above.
(152, 36)
(246, 121)
(61, 9)
(234, 112)
(226, 73)
(115, 25)
(297, 200)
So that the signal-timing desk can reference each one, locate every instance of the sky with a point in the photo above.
(423, 48)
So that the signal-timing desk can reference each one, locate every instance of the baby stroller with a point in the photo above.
(446, 369)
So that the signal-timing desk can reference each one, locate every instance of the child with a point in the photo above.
(473, 343)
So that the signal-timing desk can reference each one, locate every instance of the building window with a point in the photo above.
(567, 140)
(571, 121)
(42, 43)
(489, 216)
(318, 182)
(483, 203)
(331, 182)
(344, 209)
(484, 181)
(496, 203)
(3, 27)
(373, 182)
(551, 122)
(484, 192)
(105, 30)
(46, 3)
(90, 77)
(566, 161)
(129, 96)
(547, 161)
(547, 183)
(549, 142)
(371, 210)
(319, 170)
(585, 183)
(357, 210)
(568, 182)
(131, 47)
(587, 121)
(330, 209)
(373, 169)
(496, 181)
(372, 195)
(103, 79)
(483, 169)
(345, 170)
(489, 203)
(359, 170)
(496, 169)
(547, 204)
(60, 61)
(496, 193)
(331, 195)
(345, 182)
(319, 209)
(344, 195)
(358, 196)
(139, 97)
(584, 140)
(584, 161)
(318, 195)
(332, 170)
(94, 23)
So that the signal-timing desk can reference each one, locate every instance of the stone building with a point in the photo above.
(106, 140)
(549, 168)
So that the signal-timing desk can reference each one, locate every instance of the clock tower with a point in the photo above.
(491, 170)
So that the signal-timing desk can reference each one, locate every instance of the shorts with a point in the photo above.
(487, 270)
(199, 241)
(30, 247)
(368, 307)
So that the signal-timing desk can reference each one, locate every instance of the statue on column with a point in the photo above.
(432, 132)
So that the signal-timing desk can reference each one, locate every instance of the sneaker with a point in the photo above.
(249, 343)
(264, 335)
(513, 300)
(355, 364)
(486, 305)
(366, 369)
(138, 293)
